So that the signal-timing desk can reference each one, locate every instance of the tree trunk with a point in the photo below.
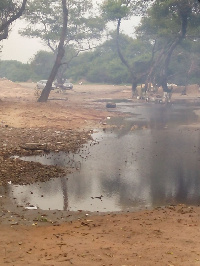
(60, 54)
(134, 86)
(61, 74)
(154, 64)
(125, 62)
(175, 43)
(4, 27)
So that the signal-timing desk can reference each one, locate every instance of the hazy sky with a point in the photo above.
(23, 49)
(20, 48)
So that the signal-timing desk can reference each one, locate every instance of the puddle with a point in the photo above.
(145, 160)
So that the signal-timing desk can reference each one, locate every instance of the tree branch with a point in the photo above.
(124, 61)
(5, 25)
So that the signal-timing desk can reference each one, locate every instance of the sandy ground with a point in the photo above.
(163, 236)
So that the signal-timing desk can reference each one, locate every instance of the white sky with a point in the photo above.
(20, 48)
(23, 49)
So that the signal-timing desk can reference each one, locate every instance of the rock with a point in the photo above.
(110, 105)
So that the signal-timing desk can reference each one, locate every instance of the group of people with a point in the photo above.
(143, 93)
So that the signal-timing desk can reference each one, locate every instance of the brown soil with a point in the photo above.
(163, 236)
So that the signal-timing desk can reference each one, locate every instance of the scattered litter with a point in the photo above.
(14, 223)
(108, 117)
(15, 157)
(9, 182)
(34, 224)
(31, 207)
(98, 197)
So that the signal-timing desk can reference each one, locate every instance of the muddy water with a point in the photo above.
(148, 158)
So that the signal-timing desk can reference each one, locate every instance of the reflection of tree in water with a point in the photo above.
(65, 194)
(60, 159)
(80, 184)
(163, 162)
(168, 170)
(174, 173)
(188, 183)
(156, 117)
(129, 189)
(129, 194)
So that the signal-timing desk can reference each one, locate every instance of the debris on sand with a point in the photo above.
(16, 142)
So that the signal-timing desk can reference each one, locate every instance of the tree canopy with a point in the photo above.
(44, 22)
(10, 10)
(104, 66)
(165, 47)
(119, 10)
(167, 24)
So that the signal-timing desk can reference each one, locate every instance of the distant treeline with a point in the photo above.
(103, 65)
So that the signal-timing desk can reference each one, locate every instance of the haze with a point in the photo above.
(23, 49)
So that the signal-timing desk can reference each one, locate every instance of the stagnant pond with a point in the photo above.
(146, 159)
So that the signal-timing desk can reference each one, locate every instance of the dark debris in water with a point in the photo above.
(33, 141)
(20, 172)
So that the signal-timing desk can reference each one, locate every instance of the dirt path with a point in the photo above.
(163, 236)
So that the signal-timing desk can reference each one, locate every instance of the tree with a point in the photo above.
(184, 66)
(168, 23)
(45, 93)
(41, 65)
(117, 10)
(15, 70)
(44, 22)
(9, 12)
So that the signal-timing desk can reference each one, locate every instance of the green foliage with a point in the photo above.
(15, 71)
(185, 64)
(41, 65)
(7, 7)
(44, 18)
(3, 4)
(115, 9)
(163, 19)
(10, 10)
(161, 23)
(104, 66)
(168, 23)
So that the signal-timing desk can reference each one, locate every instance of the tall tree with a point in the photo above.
(10, 10)
(83, 28)
(60, 54)
(168, 23)
(117, 11)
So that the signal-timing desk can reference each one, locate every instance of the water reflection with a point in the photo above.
(154, 163)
